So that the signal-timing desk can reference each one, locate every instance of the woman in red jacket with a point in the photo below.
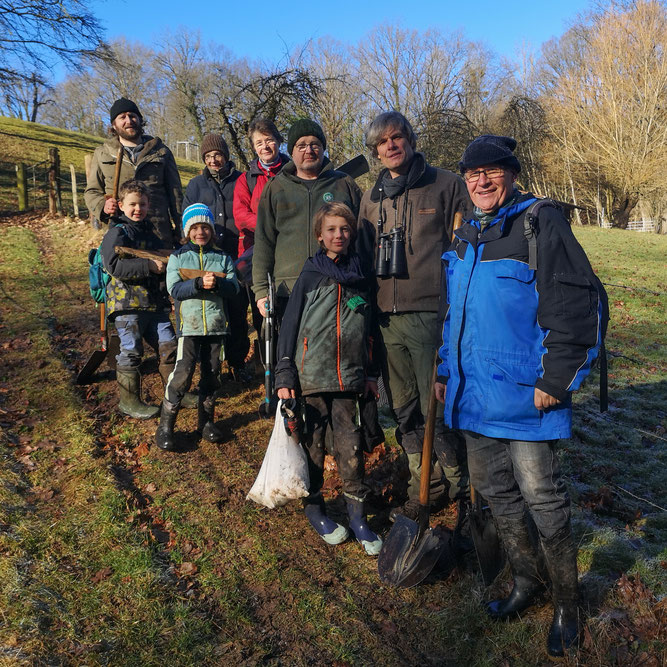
(265, 140)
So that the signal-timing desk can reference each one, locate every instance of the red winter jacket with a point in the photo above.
(246, 199)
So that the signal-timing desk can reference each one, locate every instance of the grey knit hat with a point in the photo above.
(490, 149)
(304, 127)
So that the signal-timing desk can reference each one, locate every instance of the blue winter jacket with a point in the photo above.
(199, 311)
(509, 329)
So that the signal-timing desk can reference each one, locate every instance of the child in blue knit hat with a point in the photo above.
(200, 277)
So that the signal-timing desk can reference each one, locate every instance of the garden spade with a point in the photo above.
(97, 357)
(488, 549)
(412, 548)
(357, 166)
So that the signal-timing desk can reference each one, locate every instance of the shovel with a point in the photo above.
(97, 357)
(357, 166)
(488, 548)
(100, 355)
(412, 548)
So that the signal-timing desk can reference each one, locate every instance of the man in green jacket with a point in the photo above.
(284, 235)
(416, 203)
(145, 159)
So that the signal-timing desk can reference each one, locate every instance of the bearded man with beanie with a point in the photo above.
(284, 237)
(145, 159)
(520, 334)
(419, 202)
(214, 187)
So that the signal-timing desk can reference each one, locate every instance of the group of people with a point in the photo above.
(427, 267)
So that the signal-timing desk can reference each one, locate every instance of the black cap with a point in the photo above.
(490, 149)
(123, 105)
(304, 127)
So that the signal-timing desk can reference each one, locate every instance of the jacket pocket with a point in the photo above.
(576, 296)
(509, 395)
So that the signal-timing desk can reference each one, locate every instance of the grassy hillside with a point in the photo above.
(21, 141)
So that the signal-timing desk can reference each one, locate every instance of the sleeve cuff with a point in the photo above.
(561, 394)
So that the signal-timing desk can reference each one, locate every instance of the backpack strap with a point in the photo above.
(530, 221)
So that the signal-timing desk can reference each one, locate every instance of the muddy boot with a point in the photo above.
(561, 556)
(370, 541)
(167, 354)
(438, 498)
(522, 557)
(330, 531)
(164, 436)
(129, 387)
(206, 420)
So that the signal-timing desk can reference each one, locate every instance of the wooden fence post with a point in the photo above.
(87, 160)
(22, 186)
(55, 199)
(75, 197)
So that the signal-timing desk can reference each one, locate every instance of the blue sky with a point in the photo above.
(264, 30)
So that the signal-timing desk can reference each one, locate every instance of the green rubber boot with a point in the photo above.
(129, 388)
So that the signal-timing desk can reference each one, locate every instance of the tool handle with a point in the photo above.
(427, 448)
(116, 174)
(458, 221)
(103, 326)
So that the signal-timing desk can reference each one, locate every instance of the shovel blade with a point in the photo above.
(94, 362)
(407, 557)
(488, 548)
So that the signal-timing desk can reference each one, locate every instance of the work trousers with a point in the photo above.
(133, 328)
(338, 412)
(515, 474)
(191, 349)
(410, 341)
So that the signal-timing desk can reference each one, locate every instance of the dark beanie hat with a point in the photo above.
(304, 127)
(214, 142)
(490, 149)
(123, 105)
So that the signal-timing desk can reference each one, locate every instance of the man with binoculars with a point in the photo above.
(411, 210)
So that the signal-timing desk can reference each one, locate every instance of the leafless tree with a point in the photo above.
(605, 88)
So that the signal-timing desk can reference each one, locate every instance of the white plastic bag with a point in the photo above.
(284, 472)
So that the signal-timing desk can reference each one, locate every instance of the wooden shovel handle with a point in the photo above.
(116, 174)
(427, 448)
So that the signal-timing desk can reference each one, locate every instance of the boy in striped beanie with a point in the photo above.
(200, 277)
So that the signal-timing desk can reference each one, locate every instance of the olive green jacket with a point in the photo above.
(284, 236)
(155, 167)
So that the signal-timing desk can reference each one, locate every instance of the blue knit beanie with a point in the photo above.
(490, 149)
(196, 214)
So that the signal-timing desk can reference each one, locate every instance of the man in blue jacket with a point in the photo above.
(516, 343)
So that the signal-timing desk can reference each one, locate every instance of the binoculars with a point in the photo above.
(391, 261)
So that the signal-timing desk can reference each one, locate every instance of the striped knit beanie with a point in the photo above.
(197, 214)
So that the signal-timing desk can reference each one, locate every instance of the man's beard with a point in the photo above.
(129, 134)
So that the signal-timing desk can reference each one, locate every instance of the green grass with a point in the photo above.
(21, 141)
(267, 590)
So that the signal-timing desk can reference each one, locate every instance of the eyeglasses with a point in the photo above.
(268, 142)
(474, 176)
(316, 147)
(212, 157)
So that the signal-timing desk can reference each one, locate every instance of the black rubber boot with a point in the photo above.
(206, 420)
(129, 388)
(167, 354)
(561, 557)
(522, 557)
(164, 436)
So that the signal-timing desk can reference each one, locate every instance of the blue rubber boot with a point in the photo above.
(369, 540)
(330, 531)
